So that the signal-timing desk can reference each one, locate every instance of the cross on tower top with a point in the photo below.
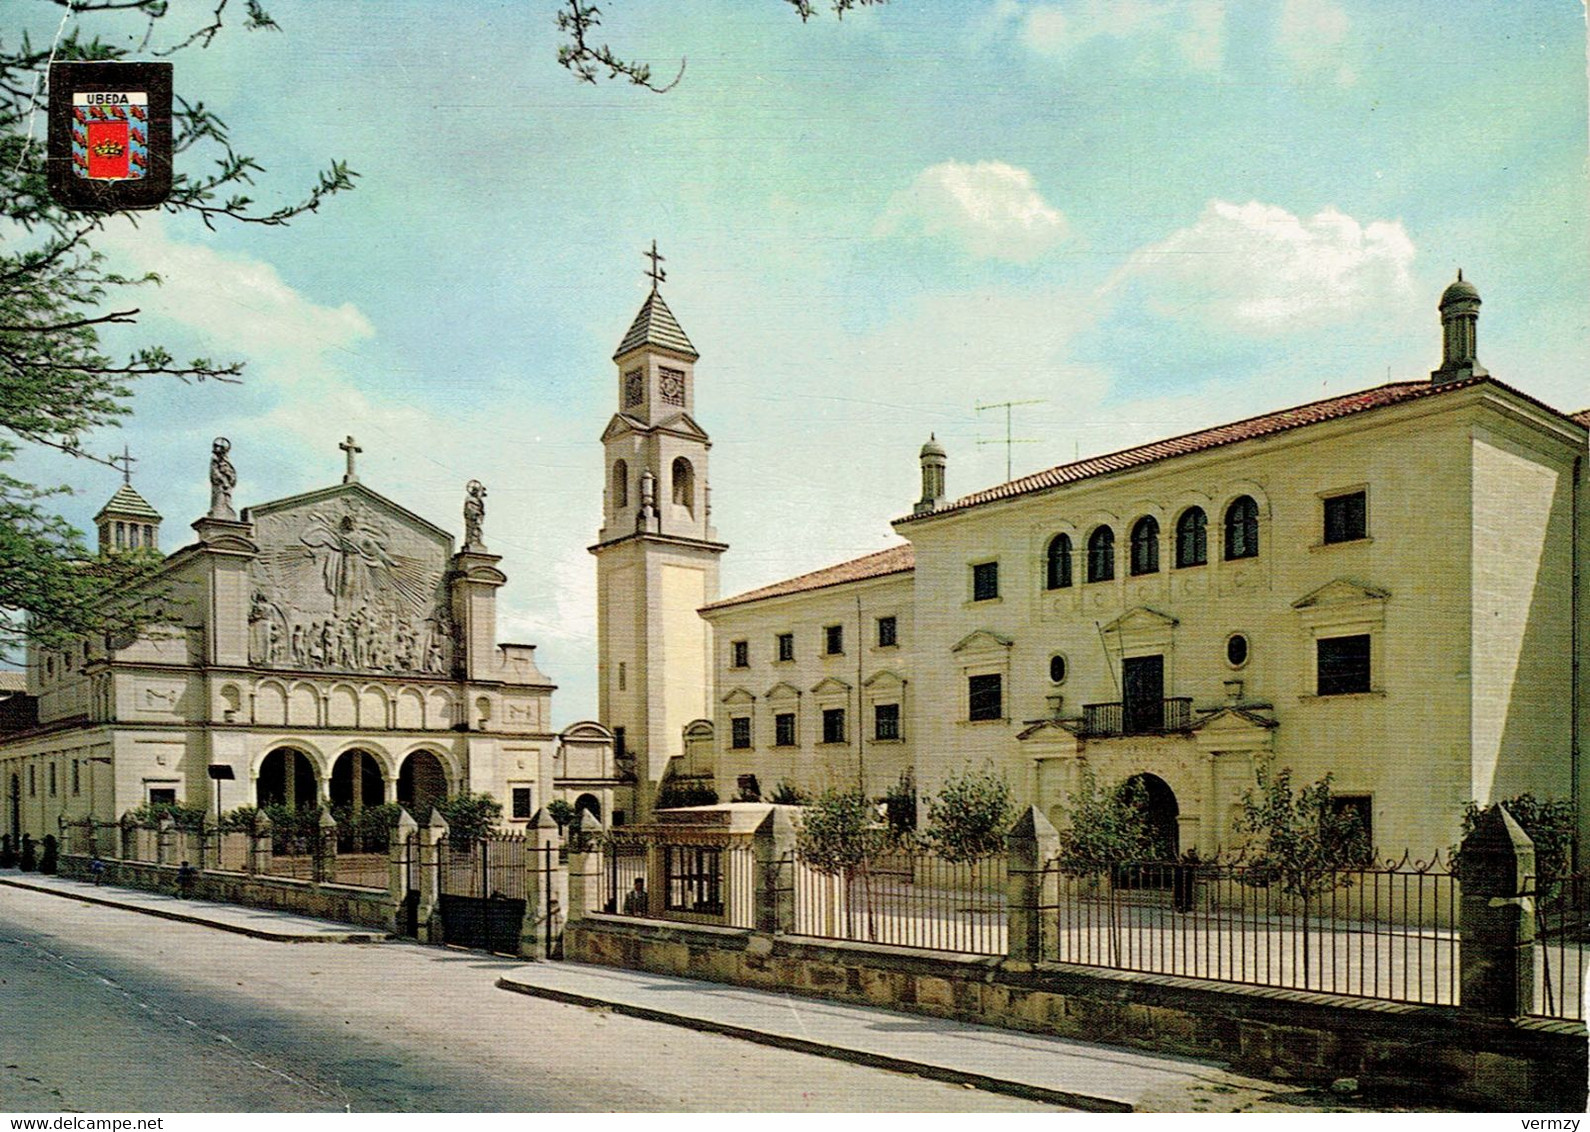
(124, 463)
(656, 274)
(349, 447)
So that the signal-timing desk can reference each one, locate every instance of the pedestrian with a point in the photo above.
(636, 904)
(97, 867)
(185, 876)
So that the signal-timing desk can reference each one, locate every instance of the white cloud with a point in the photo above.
(992, 209)
(1191, 33)
(1256, 268)
(1312, 35)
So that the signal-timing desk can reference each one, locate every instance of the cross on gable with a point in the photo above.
(350, 448)
(124, 463)
(656, 274)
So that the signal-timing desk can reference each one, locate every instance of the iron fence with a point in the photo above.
(1386, 933)
(492, 867)
(1142, 717)
(623, 863)
(703, 879)
(904, 896)
(1562, 938)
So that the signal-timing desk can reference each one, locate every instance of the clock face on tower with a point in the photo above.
(634, 388)
(672, 387)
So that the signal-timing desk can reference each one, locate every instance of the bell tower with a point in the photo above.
(657, 553)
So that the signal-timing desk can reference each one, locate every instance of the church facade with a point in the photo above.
(330, 648)
(1385, 587)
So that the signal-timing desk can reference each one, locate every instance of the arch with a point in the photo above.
(303, 706)
(410, 709)
(342, 706)
(1145, 546)
(287, 776)
(1057, 563)
(270, 704)
(231, 701)
(1159, 805)
(358, 779)
(1192, 538)
(683, 478)
(1101, 554)
(373, 707)
(620, 484)
(422, 782)
(439, 710)
(590, 804)
(1242, 528)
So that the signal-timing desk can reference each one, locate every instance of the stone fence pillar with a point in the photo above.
(543, 910)
(129, 838)
(259, 845)
(1030, 891)
(432, 834)
(773, 851)
(1496, 919)
(325, 849)
(403, 841)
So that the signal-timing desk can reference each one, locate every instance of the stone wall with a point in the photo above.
(365, 907)
(1434, 1054)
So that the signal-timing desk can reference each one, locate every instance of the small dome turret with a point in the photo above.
(1460, 317)
(933, 447)
(934, 460)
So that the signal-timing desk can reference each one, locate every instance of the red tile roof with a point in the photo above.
(895, 560)
(1582, 416)
(1315, 412)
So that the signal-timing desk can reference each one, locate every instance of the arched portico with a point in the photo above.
(1161, 809)
(357, 780)
(287, 777)
(422, 782)
(590, 804)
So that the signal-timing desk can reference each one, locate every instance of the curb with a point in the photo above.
(1081, 1101)
(219, 925)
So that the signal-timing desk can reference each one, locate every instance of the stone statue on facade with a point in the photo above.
(474, 515)
(223, 478)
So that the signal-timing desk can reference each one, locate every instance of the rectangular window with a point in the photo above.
(784, 729)
(521, 803)
(33, 781)
(52, 780)
(162, 795)
(833, 640)
(740, 732)
(887, 632)
(740, 654)
(1343, 665)
(984, 699)
(693, 878)
(619, 750)
(623, 676)
(785, 646)
(1361, 806)
(834, 725)
(77, 777)
(886, 721)
(985, 581)
(1346, 517)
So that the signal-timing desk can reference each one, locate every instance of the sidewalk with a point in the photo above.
(261, 923)
(1074, 1074)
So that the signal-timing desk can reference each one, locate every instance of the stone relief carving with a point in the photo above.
(343, 587)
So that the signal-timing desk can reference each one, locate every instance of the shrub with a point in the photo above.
(240, 820)
(1549, 822)
(786, 793)
(189, 818)
(8, 853)
(561, 811)
(675, 795)
(469, 816)
(30, 859)
(49, 862)
(970, 815)
(1303, 841)
(1106, 828)
(836, 831)
(899, 807)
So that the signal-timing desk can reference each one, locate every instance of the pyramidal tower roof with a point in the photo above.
(127, 503)
(656, 325)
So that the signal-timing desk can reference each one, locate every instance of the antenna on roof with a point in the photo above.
(1009, 439)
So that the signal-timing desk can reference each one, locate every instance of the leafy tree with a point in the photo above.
(675, 795)
(1302, 842)
(57, 382)
(899, 807)
(469, 816)
(970, 815)
(1107, 827)
(189, 818)
(1549, 822)
(786, 793)
(835, 834)
(561, 812)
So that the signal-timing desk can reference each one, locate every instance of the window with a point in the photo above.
(886, 721)
(521, 803)
(162, 795)
(1057, 563)
(619, 750)
(1345, 517)
(1145, 545)
(1343, 665)
(983, 697)
(887, 632)
(834, 725)
(1236, 650)
(623, 676)
(784, 729)
(784, 646)
(740, 732)
(693, 878)
(1057, 669)
(52, 780)
(1242, 528)
(77, 777)
(1360, 806)
(985, 581)
(740, 654)
(1101, 555)
(671, 384)
(833, 640)
(620, 484)
(634, 388)
(33, 781)
(684, 483)
(1192, 538)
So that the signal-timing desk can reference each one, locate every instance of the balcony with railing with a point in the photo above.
(1137, 717)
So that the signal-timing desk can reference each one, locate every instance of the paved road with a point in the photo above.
(106, 1010)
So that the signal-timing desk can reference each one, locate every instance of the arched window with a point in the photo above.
(1242, 528)
(620, 484)
(1192, 538)
(684, 481)
(1101, 555)
(1057, 574)
(1145, 545)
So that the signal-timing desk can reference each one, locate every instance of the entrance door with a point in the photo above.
(1143, 694)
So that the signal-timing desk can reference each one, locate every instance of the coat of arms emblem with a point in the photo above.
(110, 135)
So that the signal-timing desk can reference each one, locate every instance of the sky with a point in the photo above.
(1144, 217)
